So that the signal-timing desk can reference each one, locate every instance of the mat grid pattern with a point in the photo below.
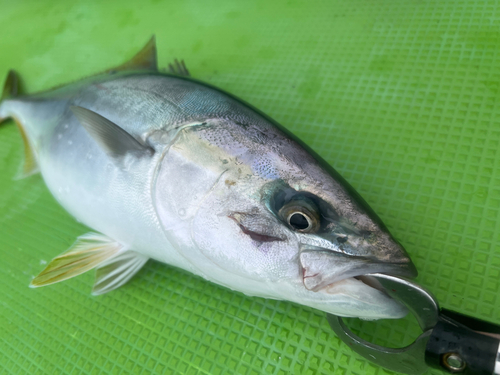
(401, 97)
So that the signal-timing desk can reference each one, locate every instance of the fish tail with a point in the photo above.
(11, 90)
(11, 86)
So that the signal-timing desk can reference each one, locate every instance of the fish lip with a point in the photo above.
(406, 273)
(316, 278)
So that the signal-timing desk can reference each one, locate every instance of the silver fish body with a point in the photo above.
(211, 186)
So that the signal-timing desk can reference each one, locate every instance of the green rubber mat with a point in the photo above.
(401, 97)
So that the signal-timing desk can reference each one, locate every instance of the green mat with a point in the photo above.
(401, 97)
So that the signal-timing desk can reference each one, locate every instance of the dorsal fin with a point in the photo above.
(145, 59)
(115, 141)
(178, 68)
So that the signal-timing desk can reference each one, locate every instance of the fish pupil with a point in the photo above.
(299, 221)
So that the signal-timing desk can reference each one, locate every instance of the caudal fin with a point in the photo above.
(12, 89)
(11, 86)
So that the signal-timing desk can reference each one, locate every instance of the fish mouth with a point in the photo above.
(322, 269)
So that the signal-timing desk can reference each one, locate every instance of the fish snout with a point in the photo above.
(321, 267)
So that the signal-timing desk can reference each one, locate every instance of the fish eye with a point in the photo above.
(299, 221)
(302, 215)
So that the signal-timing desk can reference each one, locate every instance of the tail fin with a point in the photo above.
(11, 89)
(11, 86)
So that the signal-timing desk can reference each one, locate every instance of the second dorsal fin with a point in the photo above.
(145, 59)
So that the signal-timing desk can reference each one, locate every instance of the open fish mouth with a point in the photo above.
(333, 288)
(322, 270)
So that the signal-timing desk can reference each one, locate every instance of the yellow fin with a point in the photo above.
(30, 165)
(87, 252)
(117, 271)
(145, 59)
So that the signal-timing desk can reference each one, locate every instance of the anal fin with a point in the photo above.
(89, 251)
(116, 272)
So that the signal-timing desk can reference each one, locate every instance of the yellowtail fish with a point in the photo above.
(161, 166)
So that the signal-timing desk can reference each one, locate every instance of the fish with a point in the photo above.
(162, 166)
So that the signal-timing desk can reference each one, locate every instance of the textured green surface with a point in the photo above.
(400, 96)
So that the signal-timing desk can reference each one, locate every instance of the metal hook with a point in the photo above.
(410, 359)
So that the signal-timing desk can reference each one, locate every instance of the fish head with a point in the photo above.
(302, 248)
(274, 221)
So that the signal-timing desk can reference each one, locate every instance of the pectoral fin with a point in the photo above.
(89, 251)
(117, 271)
(115, 141)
